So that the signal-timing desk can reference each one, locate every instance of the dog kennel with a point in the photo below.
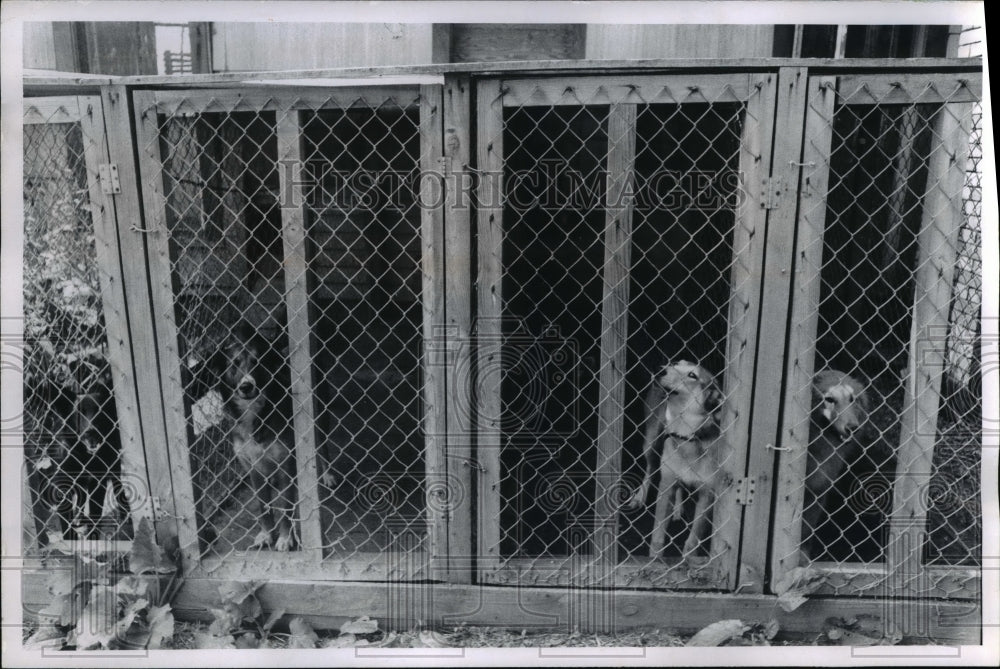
(474, 280)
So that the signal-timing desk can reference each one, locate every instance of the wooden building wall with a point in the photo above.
(241, 47)
(679, 41)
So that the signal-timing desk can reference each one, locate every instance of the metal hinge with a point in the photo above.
(108, 173)
(771, 193)
(745, 489)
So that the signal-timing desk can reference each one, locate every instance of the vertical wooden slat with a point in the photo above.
(489, 107)
(744, 306)
(111, 276)
(840, 43)
(142, 329)
(160, 349)
(941, 219)
(614, 332)
(775, 290)
(435, 368)
(457, 119)
(804, 319)
(288, 128)
(797, 41)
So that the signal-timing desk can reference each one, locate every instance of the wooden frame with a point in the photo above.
(289, 106)
(623, 94)
(461, 259)
(88, 112)
(903, 574)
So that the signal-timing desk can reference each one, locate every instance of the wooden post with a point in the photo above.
(161, 349)
(135, 479)
(441, 496)
(122, 136)
(299, 333)
(614, 334)
(840, 45)
(200, 35)
(457, 118)
(804, 319)
(489, 105)
(744, 305)
(777, 275)
(941, 219)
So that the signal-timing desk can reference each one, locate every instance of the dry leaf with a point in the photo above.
(301, 634)
(161, 625)
(212, 642)
(363, 625)
(146, 556)
(795, 585)
(718, 633)
(432, 639)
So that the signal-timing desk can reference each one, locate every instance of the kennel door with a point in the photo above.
(620, 226)
(888, 290)
(85, 484)
(293, 215)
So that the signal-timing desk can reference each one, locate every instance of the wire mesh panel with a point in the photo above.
(75, 488)
(291, 234)
(882, 424)
(617, 300)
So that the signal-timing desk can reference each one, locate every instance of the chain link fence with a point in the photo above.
(624, 247)
(897, 316)
(73, 484)
(344, 396)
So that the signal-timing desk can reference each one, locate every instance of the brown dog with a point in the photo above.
(682, 410)
(840, 409)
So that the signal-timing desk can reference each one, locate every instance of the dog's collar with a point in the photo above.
(683, 437)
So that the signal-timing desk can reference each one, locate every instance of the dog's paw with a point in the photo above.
(262, 540)
(284, 543)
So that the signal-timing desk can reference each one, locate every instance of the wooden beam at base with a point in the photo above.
(446, 604)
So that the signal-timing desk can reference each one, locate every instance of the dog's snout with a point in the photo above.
(246, 386)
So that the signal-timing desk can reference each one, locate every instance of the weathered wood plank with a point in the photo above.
(614, 332)
(744, 314)
(51, 110)
(389, 565)
(161, 348)
(909, 88)
(679, 41)
(625, 88)
(293, 234)
(328, 605)
(362, 95)
(457, 147)
(941, 219)
(730, 65)
(141, 323)
(489, 102)
(440, 494)
(777, 275)
(113, 303)
(804, 319)
(249, 45)
(485, 42)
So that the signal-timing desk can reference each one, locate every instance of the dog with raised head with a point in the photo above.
(252, 378)
(682, 428)
(840, 408)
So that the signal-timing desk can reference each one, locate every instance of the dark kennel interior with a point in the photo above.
(878, 178)
(553, 257)
(364, 311)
